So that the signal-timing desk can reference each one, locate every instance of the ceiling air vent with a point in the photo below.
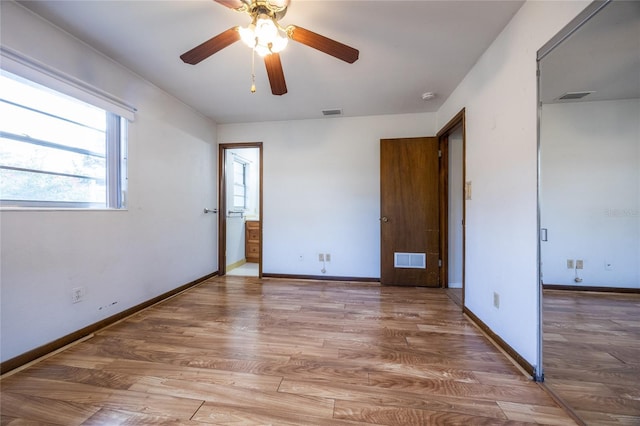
(569, 96)
(331, 112)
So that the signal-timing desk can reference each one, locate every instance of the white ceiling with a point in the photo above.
(602, 56)
(406, 48)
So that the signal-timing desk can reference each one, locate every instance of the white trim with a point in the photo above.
(58, 209)
(19, 64)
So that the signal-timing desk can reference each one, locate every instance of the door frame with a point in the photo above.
(222, 202)
(458, 121)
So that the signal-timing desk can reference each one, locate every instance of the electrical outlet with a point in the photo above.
(327, 257)
(570, 264)
(77, 294)
(321, 257)
(300, 258)
(579, 264)
(496, 300)
(608, 266)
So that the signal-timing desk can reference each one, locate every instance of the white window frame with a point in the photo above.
(118, 115)
(243, 184)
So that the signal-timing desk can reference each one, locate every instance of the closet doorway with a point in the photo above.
(240, 207)
(452, 139)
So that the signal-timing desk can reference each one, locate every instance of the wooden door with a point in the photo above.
(410, 212)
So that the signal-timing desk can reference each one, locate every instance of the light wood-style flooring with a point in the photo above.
(245, 270)
(237, 350)
(591, 354)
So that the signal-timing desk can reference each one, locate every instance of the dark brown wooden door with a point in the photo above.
(410, 212)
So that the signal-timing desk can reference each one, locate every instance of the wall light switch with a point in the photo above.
(467, 190)
(579, 264)
(570, 264)
(77, 294)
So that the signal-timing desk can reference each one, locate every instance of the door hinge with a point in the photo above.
(439, 263)
(439, 153)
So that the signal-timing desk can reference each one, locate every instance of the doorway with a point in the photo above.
(452, 138)
(423, 187)
(240, 201)
(410, 205)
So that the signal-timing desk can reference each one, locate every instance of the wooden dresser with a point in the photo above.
(252, 241)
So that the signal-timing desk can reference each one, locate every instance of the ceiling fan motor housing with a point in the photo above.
(276, 9)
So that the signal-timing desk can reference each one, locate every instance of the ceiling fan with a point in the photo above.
(267, 38)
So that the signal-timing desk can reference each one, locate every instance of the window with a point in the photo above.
(58, 151)
(239, 184)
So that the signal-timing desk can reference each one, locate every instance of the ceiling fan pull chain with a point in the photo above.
(253, 70)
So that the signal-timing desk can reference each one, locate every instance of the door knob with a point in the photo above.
(384, 219)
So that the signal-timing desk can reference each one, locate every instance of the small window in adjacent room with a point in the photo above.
(57, 151)
(239, 184)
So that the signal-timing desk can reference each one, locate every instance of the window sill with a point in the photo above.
(58, 209)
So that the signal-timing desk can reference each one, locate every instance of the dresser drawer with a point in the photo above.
(253, 249)
(252, 241)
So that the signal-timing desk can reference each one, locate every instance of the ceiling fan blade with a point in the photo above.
(232, 4)
(324, 44)
(211, 46)
(275, 73)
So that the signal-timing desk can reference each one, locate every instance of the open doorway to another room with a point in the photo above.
(452, 144)
(456, 199)
(240, 208)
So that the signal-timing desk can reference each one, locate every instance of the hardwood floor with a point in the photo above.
(237, 350)
(592, 354)
(246, 270)
(456, 295)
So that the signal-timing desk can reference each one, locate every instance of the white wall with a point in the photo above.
(499, 94)
(590, 172)
(162, 241)
(321, 189)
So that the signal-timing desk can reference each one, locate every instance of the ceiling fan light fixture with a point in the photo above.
(264, 35)
(265, 29)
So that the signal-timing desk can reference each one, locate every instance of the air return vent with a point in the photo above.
(569, 96)
(410, 260)
(330, 112)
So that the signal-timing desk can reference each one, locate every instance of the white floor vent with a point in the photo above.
(410, 260)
